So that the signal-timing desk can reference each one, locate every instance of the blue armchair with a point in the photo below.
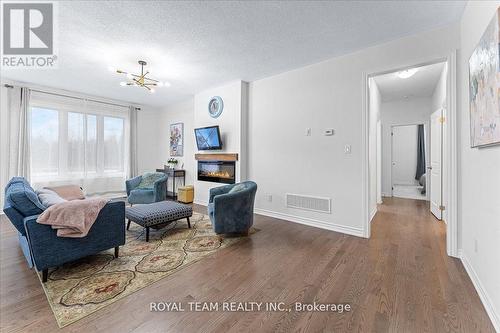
(39, 242)
(148, 188)
(230, 208)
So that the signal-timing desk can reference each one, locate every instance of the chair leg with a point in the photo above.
(189, 223)
(147, 234)
(128, 224)
(45, 275)
(117, 250)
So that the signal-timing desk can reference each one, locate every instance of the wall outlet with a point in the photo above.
(347, 149)
(308, 131)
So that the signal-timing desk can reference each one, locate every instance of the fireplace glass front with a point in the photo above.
(217, 171)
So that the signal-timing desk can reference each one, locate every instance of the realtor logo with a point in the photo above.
(28, 34)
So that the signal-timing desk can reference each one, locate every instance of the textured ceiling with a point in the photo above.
(198, 45)
(421, 84)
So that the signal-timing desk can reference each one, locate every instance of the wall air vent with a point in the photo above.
(307, 202)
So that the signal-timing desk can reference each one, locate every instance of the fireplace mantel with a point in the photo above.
(216, 157)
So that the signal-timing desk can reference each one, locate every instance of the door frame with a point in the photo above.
(450, 147)
(427, 150)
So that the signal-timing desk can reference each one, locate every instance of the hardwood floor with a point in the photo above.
(400, 280)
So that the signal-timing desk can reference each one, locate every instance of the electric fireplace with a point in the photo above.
(217, 171)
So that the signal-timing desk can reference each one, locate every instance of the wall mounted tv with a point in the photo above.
(208, 138)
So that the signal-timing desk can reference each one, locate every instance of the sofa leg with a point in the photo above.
(45, 275)
(147, 234)
(117, 250)
(189, 223)
(128, 224)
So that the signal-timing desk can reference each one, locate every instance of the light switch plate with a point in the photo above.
(308, 131)
(347, 149)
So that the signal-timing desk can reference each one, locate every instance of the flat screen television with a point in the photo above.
(208, 138)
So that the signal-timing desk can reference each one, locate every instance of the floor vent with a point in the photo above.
(306, 202)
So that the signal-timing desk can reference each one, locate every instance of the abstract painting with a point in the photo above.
(176, 139)
(484, 84)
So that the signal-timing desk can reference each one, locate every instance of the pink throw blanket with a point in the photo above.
(72, 218)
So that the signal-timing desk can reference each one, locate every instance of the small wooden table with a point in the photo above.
(171, 173)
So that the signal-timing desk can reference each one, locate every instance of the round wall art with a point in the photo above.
(215, 106)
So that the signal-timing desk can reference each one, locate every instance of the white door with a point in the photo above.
(436, 158)
(404, 154)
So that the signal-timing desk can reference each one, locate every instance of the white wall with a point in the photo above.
(479, 176)
(324, 95)
(374, 117)
(401, 112)
(150, 135)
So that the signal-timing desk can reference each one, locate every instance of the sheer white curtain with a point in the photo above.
(79, 141)
(133, 169)
(14, 138)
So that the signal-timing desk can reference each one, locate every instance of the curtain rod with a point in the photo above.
(69, 96)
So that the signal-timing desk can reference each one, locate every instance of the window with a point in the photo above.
(75, 139)
(76, 142)
(91, 144)
(44, 141)
(113, 144)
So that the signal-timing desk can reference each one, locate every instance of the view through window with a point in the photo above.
(66, 144)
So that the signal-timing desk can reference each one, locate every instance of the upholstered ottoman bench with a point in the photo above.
(157, 214)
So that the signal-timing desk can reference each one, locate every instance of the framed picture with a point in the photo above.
(176, 139)
(484, 84)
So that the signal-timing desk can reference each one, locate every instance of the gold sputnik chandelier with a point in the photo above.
(141, 80)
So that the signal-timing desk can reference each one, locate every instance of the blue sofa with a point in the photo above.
(154, 191)
(230, 208)
(40, 244)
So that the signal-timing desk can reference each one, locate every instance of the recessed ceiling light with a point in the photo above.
(123, 83)
(407, 73)
(166, 84)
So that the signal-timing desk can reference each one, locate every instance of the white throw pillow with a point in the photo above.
(48, 197)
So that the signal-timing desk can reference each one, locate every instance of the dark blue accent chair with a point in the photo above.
(230, 207)
(40, 244)
(158, 192)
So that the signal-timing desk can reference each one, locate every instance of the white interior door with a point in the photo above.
(436, 193)
(404, 154)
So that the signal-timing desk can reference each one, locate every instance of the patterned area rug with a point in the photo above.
(80, 288)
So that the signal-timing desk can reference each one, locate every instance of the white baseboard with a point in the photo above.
(384, 194)
(483, 295)
(372, 214)
(200, 203)
(358, 232)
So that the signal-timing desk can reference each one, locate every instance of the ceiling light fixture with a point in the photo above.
(407, 73)
(140, 80)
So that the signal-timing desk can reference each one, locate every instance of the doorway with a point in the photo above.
(441, 98)
(409, 148)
